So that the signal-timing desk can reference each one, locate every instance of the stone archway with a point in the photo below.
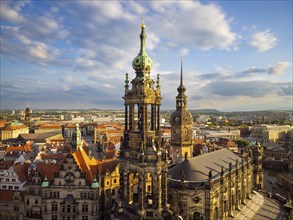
(196, 215)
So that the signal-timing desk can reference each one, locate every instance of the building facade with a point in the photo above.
(12, 130)
(210, 186)
(61, 192)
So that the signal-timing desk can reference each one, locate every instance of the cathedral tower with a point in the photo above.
(143, 167)
(258, 173)
(181, 126)
(27, 116)
(76, 138)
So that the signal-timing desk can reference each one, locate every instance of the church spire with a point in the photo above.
(142, 63)
(181, 126)
(181, 88)
(181, 97)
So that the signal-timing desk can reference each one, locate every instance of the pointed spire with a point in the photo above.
(181, 88)
(142, 62)
(181, 76)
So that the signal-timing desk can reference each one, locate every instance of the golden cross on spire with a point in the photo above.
(181, 58)
(142, 22)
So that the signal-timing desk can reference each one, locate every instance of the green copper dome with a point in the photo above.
(142, 62)
(95, 184)
(45, 183)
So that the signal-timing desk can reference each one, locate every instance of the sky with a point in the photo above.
(237, 55)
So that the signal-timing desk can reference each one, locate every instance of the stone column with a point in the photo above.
(222, 188)
(153, 117)
(165, 186)
(159, 192)
(141, 191)
(131, 117)
(243, 187)
(237, 186)
(158, 117)
(154, 190)
(230, 192)
(126, 118)
(127, 188)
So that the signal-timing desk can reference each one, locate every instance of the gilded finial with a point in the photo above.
(142, 22)
(181, 58)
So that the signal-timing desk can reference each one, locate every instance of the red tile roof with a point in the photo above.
(4, 165)
(21, 169)
(47, 170)
(45, 126)
(8, 196)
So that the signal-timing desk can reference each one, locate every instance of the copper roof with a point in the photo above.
(198, 168)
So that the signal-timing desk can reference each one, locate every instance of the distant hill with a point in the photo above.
(203, 111)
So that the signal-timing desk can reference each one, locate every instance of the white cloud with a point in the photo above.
(278, 68)
(20, 4)
(184, 52)
(66, 88)
(263, 41)
(39, 51)
(135, 7)
(9, 14)
(54, 9)
(202, 26)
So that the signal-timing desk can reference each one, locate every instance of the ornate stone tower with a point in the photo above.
(143, 166)
(258, 174)
(27, 116)
(290, 161)
(76, 138)
(181, 126)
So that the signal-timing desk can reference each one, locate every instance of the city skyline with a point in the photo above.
(237, 56)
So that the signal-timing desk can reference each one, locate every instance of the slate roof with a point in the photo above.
(36, 137)
(198, 168)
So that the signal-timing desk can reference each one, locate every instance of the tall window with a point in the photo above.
(54, 207)
(54, 217)
(84, 208)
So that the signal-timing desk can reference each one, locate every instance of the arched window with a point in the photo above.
(196, 216)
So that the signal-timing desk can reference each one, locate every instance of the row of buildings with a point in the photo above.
(147, 178)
